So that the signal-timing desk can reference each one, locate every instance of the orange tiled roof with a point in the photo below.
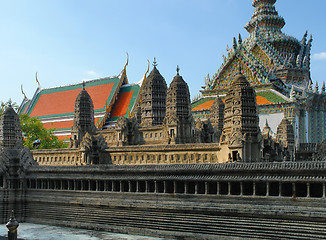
(63, 102)
(205, 105)
(120, 108)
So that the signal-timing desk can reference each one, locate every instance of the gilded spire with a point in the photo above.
(266, 16)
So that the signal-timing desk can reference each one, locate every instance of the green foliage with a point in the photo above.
(33, 128)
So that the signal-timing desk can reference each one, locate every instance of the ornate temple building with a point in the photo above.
(112, 97)
(143, 160)
(278, 67)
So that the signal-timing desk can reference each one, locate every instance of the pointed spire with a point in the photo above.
(154, 62)
(316, 87)
(227, 48)
(310, 85)
(178, 69)
(323, 88)
(9, 103)
(234, 43)
(83, 85)
(239, 39)
(304, 38)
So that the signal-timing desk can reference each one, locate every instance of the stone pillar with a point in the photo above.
(146, 186)
(206, 188)
(280, 189)
(324, 191)
(164, 183)
(267, 189)
(229, 188)
(241, 188)
(105, 185)
(129, 185)
(96, 183)
(186, 187)
(218, 188)
(12, 226)
(121, 186)
(75, 188)
(137, 186)
(308, 190)
(174, 186)
(196, 187)
(155, 186)
(254, 188)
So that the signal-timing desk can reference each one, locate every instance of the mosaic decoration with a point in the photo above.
(231, 71)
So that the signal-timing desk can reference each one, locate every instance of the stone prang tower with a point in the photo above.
(10, 130)
(241, 133)
(216, 117)
(83, 118)
(153, 99)
(178, 118)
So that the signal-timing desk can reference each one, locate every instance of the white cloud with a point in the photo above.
(91, 73)
(319, 56)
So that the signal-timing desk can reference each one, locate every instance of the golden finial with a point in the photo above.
(21, 87)
(38, 83)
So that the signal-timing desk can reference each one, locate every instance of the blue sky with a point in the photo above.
(68, 41)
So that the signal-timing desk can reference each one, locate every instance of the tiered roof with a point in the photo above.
(55, 106)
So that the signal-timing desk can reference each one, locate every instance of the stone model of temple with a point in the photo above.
(162, 168)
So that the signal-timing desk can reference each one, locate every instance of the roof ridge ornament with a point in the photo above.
(178, 69)
(21, 88)
(38, 83)
(83, 85)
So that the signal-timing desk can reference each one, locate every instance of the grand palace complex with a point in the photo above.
(245, 159)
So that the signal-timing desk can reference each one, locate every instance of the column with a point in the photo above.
(174, 186)
(129, 185)
(121, 186)
(164, 183)
(218, 188)
(254, 188)
(206, 188)
(137, 186)
(308, 190)
(96, 183)
(267, 189)
(146, 186)
(196, 188)
(105, 185)
(155, 186)
(186, 188)
(241, 188)
(280, 189)
(324, 191)
(229, 188)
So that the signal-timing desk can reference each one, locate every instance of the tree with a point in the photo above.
(32, 128)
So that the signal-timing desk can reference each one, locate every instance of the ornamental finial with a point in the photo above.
(154, 62)
(9, 103)
(38, 83)
(178, 69)
(83, 85)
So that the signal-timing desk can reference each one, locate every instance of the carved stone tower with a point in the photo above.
(241, 133)
(83, 118)
(285, 135)
(216, 117)
(178, 111)
(153, 99)
(10, 130)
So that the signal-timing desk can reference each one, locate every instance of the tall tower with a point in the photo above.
(241, 133)
(153, 99)
(178, 111)
(216, 116)
(285, 135)
(83, 118)
(10, 130)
